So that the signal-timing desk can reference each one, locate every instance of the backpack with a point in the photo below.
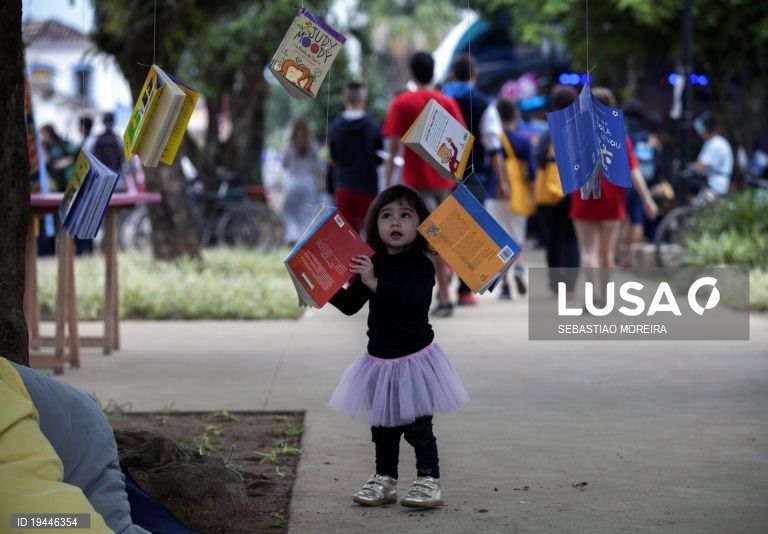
(645, 154)
(547, 189)
(109, 151)
(520, 200)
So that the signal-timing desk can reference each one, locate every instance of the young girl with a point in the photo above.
(405, 377)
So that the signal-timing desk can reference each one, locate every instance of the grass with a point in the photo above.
(226, 284)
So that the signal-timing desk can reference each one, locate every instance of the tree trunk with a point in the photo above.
(14, 184)
(174, 234)
(247, 105)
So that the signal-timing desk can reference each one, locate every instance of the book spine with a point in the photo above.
(177, 134)
(141, 112)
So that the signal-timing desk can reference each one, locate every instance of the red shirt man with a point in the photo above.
(405, 107)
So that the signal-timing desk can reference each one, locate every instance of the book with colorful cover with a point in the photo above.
(305, 55)
(470, 240)
(159, 118)
(319, 264)
(87, 196)
(589, 139)
(441, 140)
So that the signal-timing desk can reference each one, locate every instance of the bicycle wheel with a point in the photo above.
(136, 231)
(668, 241)
(248, 226)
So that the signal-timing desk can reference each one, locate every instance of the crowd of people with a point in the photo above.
(511, 170)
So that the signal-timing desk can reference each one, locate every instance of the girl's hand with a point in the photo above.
(363, 266)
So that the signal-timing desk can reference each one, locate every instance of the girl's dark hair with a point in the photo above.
(393, 194)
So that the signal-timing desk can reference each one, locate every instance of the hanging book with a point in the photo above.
(305, 55)
(470, 240)
(441, 140)
(589, 139)
(319, 263)
(87, 196)
(159, 118)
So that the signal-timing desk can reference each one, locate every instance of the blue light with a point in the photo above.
(672, 78)
(693, 79)
(703, 80)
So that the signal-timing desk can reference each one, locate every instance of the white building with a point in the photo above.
(70, 78)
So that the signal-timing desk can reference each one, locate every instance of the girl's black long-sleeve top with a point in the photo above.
(398, 314)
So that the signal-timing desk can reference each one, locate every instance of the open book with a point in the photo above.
(159, 118)
(87, 196)
(319, 263)
(305, 55)
(589, 138)
(470, 240)
(441, 140)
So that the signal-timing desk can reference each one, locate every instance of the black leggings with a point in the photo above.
(419, 434)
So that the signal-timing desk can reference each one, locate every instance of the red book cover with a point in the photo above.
(319, 263)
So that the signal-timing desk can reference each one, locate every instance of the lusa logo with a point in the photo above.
(663, 300)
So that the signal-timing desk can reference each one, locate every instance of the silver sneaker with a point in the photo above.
(377, 490)
(424, 493)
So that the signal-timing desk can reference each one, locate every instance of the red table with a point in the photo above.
(66, 347)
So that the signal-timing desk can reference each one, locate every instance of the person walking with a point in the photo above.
(511, 203)
(597, 220)
(304, 170)
(715, 160)
(552, 206)
(416, 172)
(354, 140)
(404, 378)
(486, 168)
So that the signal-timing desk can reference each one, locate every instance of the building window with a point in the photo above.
(83, 80)
(41, 79)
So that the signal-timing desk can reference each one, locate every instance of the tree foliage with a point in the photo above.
(729, 45)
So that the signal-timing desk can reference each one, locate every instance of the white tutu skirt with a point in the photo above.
(395, 392)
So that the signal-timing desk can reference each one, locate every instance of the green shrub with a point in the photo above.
(226, 284)
(729, 232)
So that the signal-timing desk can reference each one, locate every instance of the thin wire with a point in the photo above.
(82, 75)
(327, 123)
(586, 14)
(154, 33)
(471, 111)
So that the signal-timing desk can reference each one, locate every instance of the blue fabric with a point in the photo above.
(150, 514)
(82, 437)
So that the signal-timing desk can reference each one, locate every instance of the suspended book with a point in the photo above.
(159, 118)
(470, 240)
(441, 140)
(319, 263)
(87, 196)
(589, 139)
(305, 55)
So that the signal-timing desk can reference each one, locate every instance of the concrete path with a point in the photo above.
(668, 436)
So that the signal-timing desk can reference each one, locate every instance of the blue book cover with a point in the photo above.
(589, 139)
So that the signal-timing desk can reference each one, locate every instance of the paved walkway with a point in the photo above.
(668, 436)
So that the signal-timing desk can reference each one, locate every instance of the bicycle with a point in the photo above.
(669, 246)
(230, 216)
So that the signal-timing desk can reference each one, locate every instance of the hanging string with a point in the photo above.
(471, 111)
(324, 185)
(154, 33)
(84, 89)
(586, 15)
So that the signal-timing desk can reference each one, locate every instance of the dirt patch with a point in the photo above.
(218, 472)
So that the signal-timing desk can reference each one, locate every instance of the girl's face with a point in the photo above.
(397, 223)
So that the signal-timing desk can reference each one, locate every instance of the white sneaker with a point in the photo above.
(377, 490)
(424, 493)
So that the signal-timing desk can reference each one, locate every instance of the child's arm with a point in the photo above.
(349, 300)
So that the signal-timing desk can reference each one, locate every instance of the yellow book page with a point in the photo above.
(177, 134)
(82, 167)
(462, 243)
(140, 115)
